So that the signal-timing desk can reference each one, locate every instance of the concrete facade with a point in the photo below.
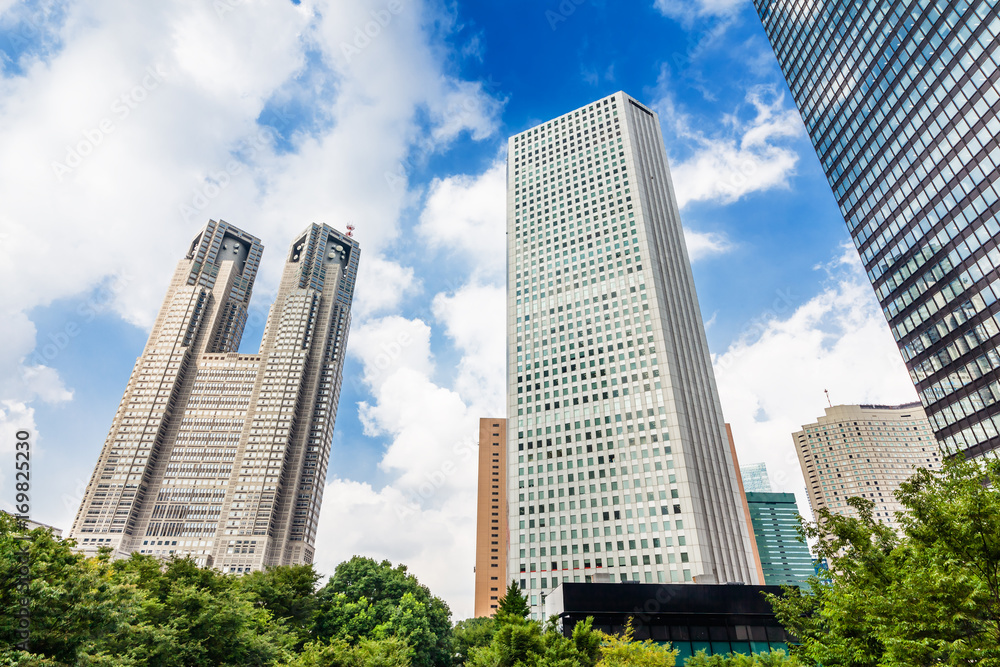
(219, 455)
(864, 450)
(617, 454)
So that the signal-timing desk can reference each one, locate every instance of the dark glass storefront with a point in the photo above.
(716, 618)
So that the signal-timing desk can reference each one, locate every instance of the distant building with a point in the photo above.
(743, 498)
(717, 619)
(900, 101)
(784, 556)
(218, 455)
(755, 478)
(617, 455)
(32, 525)
(491, 516)
(866, 451)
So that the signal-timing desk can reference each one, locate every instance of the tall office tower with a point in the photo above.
(900, 100)
(220, 455)
(491, 516)
(617, 456)
(864, 450)
(784, 556)
(755, 479)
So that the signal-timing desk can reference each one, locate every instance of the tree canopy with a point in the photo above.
(369, 599)
(927, 596)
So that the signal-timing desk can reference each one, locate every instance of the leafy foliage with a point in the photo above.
(624, 651)
(513, 604)
(469, 634)
(928, 597)
(393, 652)
(519, 642)
(365, 599)
(775, 658)
(144, 611)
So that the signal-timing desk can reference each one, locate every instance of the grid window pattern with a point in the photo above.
(900, 100)
(784, 556)
(598, 483)
(864, 451)
(203, 458)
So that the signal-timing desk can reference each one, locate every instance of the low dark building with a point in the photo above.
(717, 618)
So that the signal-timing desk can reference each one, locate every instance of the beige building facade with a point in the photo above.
(491, 516)
(219, 455)
(866, 451)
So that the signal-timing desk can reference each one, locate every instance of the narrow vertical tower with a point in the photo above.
(221, 455)
(491, 516)
(618, 463)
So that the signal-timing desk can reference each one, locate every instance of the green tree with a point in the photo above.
(520, 642)
(625, 651)
(392, 652)
(365, 599)
(513, 604)
(471, 633)
(288, 592)
(774, 658)
(930, 596)
(136, 611)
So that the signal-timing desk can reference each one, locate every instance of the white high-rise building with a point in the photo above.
(618, 463)
(218, 455)
(866, 451)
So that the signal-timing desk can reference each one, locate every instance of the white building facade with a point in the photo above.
(865, 451)
(618, 462)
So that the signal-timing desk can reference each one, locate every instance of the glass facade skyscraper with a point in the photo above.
(784, 555)
(618, 463)
(755, 478)
(900, 99)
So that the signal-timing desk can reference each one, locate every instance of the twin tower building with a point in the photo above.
(612, 464)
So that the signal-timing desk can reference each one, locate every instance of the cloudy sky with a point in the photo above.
(125, 126)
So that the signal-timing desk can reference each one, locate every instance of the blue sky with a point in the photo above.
(124, 128)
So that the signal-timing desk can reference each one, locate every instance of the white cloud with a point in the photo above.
(161, 117)
(772, 379)
(749, 156)
(389, 344)
(434, 543)
(687, 11)
(428, 508)
(705, 244)
(15, 416)
(381, 285)
(475, 318)
(465, 214)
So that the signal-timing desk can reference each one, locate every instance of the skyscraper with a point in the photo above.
(618, 461)
(866, 451)
(755, 478)
(784, 555)
(220, 455)
(491, 516)
(900, 100)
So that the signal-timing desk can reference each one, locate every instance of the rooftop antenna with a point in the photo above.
(350, 230)
(828, 398)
